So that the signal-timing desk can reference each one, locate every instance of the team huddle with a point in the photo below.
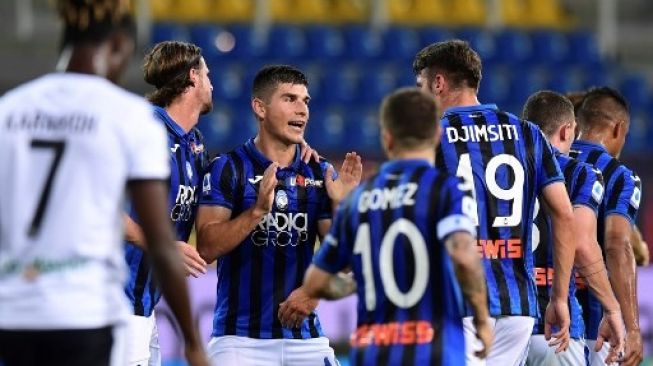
(486, 238)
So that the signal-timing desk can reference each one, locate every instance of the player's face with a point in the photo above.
(204, 88)
(286, 115)
(423, 83)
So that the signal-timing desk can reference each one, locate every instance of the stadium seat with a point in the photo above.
(227, 81)
(524, 82)
(583, 47)
(349, 11)
(495, 86)
(466, 12)
(549, 47)
(363, 133)
(432, 34)
(363, 42)
(376, 83)
(565, 79)
(299, 11)
(287, 42)
(218, 128)
(326, 130)
(214, 41)
(325, 42)
(164, 31)
(248, 43)
(340, 83)
(401, 43)
(482, 41)
(417, 12)
(546, 13)
(232, 11)
(513, 46)
(161, 10)
(635, 89)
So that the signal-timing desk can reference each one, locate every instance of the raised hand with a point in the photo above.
(349, 177)
(266, 189)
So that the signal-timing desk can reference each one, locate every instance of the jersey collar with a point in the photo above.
(263, 160)
(589, 144)
(403, 164)
(163, 115)
(471, 108)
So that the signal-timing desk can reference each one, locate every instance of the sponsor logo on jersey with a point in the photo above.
(174, 148)
(281, 229)
(255, 180)
(301, 181)
(196, 148)
(500, 248)
(636, 197)
(189, 170)
(281, 200)
(206, 183)
(185, 203)
(393, 333)
(597, 191)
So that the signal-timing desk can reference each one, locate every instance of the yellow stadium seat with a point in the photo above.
(192, 11)
(230, 11)
(162, 9)
(299, 11)
(349, 11)
(514, 13)
(467, 12)
(417, 11)
(547, 13)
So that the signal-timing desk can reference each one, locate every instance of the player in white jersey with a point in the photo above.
(70, 143)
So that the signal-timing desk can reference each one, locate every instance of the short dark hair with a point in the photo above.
(454, 58)
(594, 112)
(549, 110)
(92, 22)
(410, 115)
(167, 67)
(576, 98)
(269, 77)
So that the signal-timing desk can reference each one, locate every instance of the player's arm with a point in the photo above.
(322, 284)
(621, 265)
(471, 276)
(218, 233)
(149, 199)
(640, 248)
(133, 232)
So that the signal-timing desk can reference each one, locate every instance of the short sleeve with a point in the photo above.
(219, 183)
(336, 250)
(146, 145)
(624, 196)
(548, 170)
(456, 210)
(589, 191)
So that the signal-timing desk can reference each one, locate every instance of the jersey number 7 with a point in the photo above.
(58, 148)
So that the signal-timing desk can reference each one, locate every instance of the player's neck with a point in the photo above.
(421, 154)
(184, 113)
(593, 137)
(460, 98)
(275, 150)
(82, 60)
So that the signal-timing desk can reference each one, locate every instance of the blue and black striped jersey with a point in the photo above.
(260, 273)
(505, 163)
(391, 230)
(585, 187)
(188, 162)
(623, 190)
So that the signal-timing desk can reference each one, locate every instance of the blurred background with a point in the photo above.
(356, 51)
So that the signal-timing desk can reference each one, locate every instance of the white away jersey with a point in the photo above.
(68, 145)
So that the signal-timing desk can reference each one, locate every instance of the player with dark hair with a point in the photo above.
(604, 120)
(261, 210)
(62, 268)
(554, 114)
(183, 92)
(406, 236)
(505, 164)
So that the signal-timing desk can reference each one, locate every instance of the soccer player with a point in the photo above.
(260, 212)
(554, 114)
(71, 142)
(505, 163)
(406, 236)
(603, 120)
(182, 94)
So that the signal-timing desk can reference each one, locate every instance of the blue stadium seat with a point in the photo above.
(325, 42)
(217, 128)
(565, 79)
(168, 31)
(406, 77)
(525, 82)
(495, 86)
(209, 37)
(401, 43)
(598, 74)
(326, 130)
(376, 83)
(227, 81)
(640, 132)
(287, 42)
(340, 83)
(482, 41)
(583, 48)
(430, 35)
(635, 89)
(248, 43)
(363, 43)
(513, 46)
(549, 47)
(363, 133)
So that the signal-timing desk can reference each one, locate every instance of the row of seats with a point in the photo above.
(283, 41)
(365, 82)
(522, 13)
(338, 128)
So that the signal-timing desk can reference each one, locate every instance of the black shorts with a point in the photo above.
(75, 347)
